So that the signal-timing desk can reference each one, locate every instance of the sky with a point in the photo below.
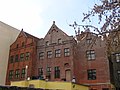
(37, 16)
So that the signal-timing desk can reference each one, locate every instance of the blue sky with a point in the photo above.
(37, 16)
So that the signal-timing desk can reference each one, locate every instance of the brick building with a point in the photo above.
(114, 55)
(95, 69)
(22, 58)
(55, 56)
(59, 57)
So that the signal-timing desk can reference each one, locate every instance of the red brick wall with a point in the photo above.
(101, 63)
(29, 46)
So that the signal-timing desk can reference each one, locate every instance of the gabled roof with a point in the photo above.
(28, 35)
(54, 26)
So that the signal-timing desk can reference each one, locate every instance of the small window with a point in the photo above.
(41, 55)
(88, 41)
(60, 41)
(66, 52)
(17, 45)
(27, 56)
(66, 65)
(57, 72)
(91, 74)
(57, 53)
(49, 54)
(47, 43)
(11, 59)
(11, 72)
(117, 56)
(16, 58)
(23, 73)
(23, 44)
(90, 54)
(21, 56)
(17, 73)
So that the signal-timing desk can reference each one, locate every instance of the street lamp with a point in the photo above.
(26, 69)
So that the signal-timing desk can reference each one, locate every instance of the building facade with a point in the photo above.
(59, 57)
(55, 56)
(8, 34)
(93, 67)
(114, 56)
(22, 58)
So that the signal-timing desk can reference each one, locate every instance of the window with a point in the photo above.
(66, 52)
(27, 56)
(117, 56)
(17, 73)
(17, 45)
(21, 56)
(57, 53)
(88, 41)
(16, 58)
(23, 73)
(60, 41)
(47, 43)
(91, 74)
(11, 59)
(23, 44)
(48, 72)
(57, 72)
(49, 54)
(40, 73)
(11, 72)
(90, 54)
(118, 73)
(41, 55)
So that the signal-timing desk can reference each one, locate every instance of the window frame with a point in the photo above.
(58, 53)
(91, 74)
(49, 54)
(23, 44)
(27, 55)
(90, 54)
(40, 72)
(66, 52)
(89, 41)
(117, 57)
(16, 58)
(41, 55)
(23, 72)
(57, 72)
(47, 43)
(11, 74)
(17, 73)
(48, 71)
(22, 56)
(59, 41)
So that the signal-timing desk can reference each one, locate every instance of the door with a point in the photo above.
(68, 75)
